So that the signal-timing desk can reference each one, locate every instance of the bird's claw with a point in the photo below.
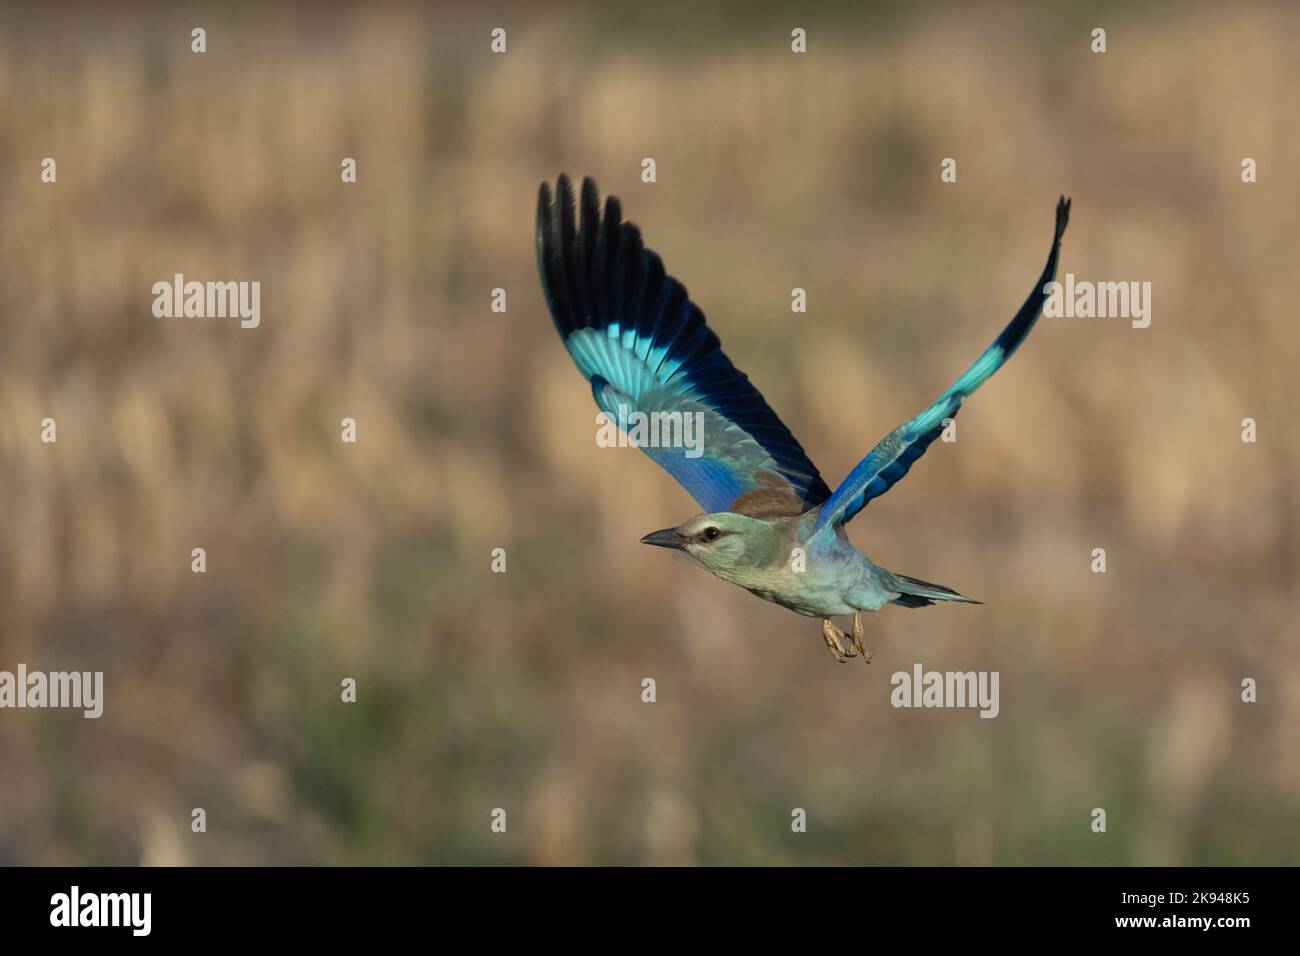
(837, 642)
(859, 638)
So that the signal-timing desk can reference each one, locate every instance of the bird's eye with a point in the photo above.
(712, 534)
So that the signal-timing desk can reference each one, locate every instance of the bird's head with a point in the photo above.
(728, 544)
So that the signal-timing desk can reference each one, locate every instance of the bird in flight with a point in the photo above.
(770, 524)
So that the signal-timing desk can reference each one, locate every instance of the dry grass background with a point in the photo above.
(522, 690)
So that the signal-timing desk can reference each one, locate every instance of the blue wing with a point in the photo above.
(643, 345)
(891, 459)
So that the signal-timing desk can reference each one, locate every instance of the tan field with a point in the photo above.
(523, 691)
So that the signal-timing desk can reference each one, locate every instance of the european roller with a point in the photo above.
(770, 524)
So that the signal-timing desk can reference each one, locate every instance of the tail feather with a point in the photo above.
(913, 592)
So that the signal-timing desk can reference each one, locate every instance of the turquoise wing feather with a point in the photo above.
(895, 454)
(640, 341)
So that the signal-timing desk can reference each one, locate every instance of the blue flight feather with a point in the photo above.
(890, 460)
(643, 345)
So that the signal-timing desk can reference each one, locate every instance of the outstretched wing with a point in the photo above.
(893, 456)
(643, 345)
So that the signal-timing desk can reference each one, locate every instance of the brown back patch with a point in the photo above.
(774, 497)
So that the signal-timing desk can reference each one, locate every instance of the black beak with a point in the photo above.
(667, 538)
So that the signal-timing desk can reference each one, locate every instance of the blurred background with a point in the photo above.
(523, 690)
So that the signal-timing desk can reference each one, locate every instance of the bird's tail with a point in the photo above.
(913, 592)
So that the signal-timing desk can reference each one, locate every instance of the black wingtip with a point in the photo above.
(564, 196)
(543, 212)
(543, 233)
(1062, 216)
(555, 232)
